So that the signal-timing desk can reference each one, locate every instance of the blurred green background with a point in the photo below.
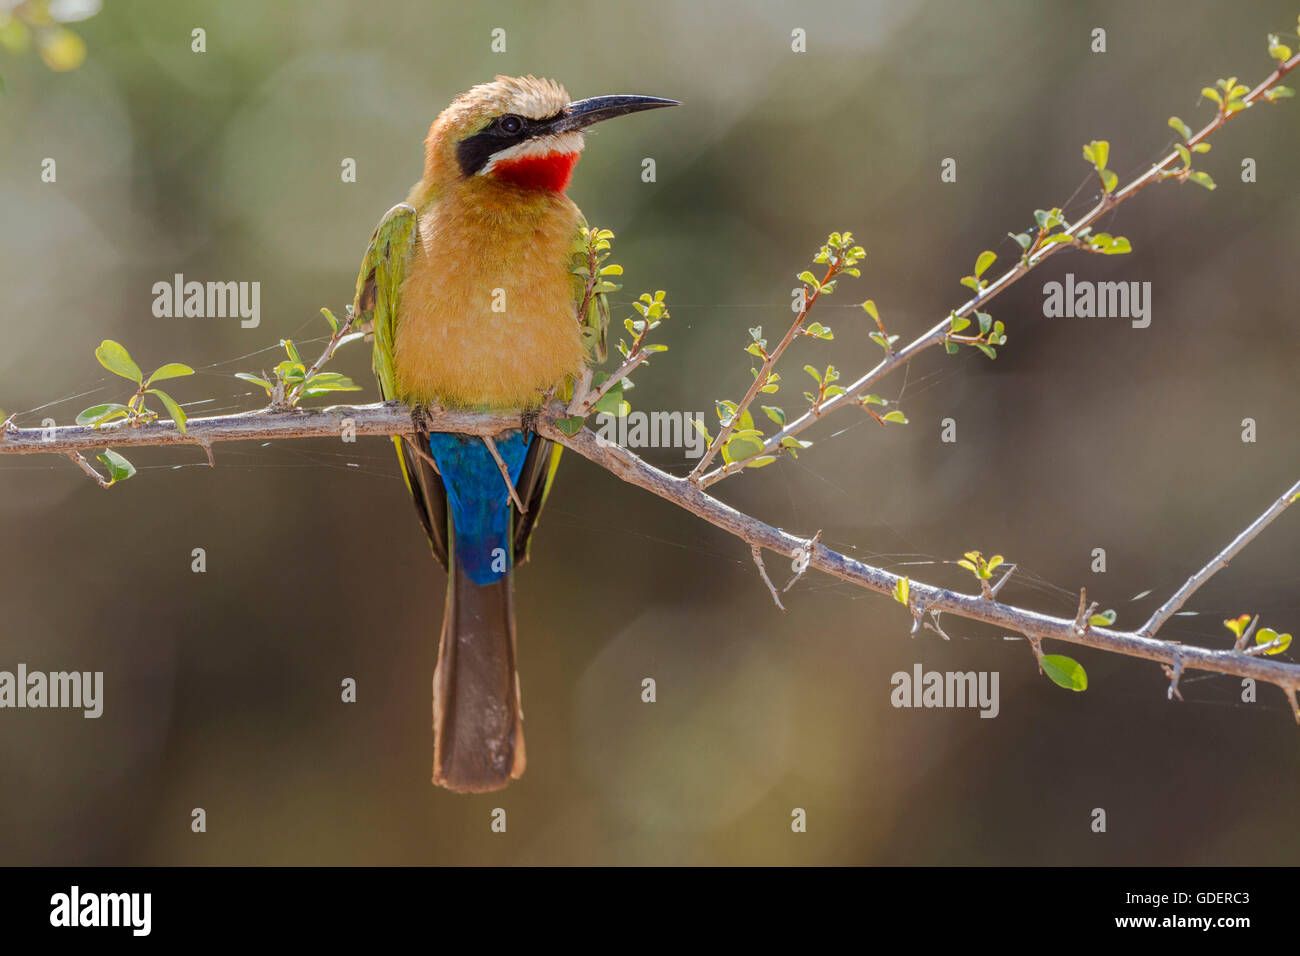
(222, 689)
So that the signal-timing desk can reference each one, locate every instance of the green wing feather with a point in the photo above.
(379, 287)
(378, 302)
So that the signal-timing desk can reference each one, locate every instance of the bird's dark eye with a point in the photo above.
(510, 124)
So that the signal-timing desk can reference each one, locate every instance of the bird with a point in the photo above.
(472, 289)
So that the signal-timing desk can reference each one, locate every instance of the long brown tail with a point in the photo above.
(477, 721)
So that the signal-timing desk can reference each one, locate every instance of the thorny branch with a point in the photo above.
(394, 419)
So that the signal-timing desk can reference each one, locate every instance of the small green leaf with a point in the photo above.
(101, 414)
(1266, 635)
(1182, 128)
(1065, 671)
(329, 317)
(1022, 239)
(1109, 180)
(117, 360)
(776, 414)
(986, 259)
(573, 424)
(119, 469)
(170, 370)
(896, 416)
(611, 402)
(739, 447)
(1104, 619)
(761, 461)
(870, 307)
(1237, 624)
(1201, 179)
(255, 379)
(177, 413)
(1277, 49)
(324, 382)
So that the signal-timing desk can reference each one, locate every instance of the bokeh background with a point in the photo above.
(222, 689)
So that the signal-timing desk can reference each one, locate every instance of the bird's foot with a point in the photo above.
(419, 419)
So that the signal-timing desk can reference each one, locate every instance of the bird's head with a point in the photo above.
(520, 132)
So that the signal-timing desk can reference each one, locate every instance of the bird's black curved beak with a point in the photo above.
(583, 113)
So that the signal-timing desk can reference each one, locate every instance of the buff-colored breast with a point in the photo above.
(479, 247)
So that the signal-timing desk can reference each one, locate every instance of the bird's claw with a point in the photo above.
(419, 420)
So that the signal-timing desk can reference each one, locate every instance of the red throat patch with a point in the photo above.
(549, 171)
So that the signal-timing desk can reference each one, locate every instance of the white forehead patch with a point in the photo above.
(568, 142)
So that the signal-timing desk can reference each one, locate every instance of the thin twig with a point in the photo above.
(757, 553)
(328, 353)
(207, 447)
(592, 399)
(998, 587)
(505, 473)
(580, 390)
(769, 361)
(1175, 674)
(1219, 561)
(1247, 634)
(89, 469)
(421, 453)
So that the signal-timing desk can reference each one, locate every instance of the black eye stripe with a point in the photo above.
(473, 152)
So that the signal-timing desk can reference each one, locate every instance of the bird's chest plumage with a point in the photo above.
(487, 313)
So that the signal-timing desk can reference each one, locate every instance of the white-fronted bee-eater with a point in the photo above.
(471, 288)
